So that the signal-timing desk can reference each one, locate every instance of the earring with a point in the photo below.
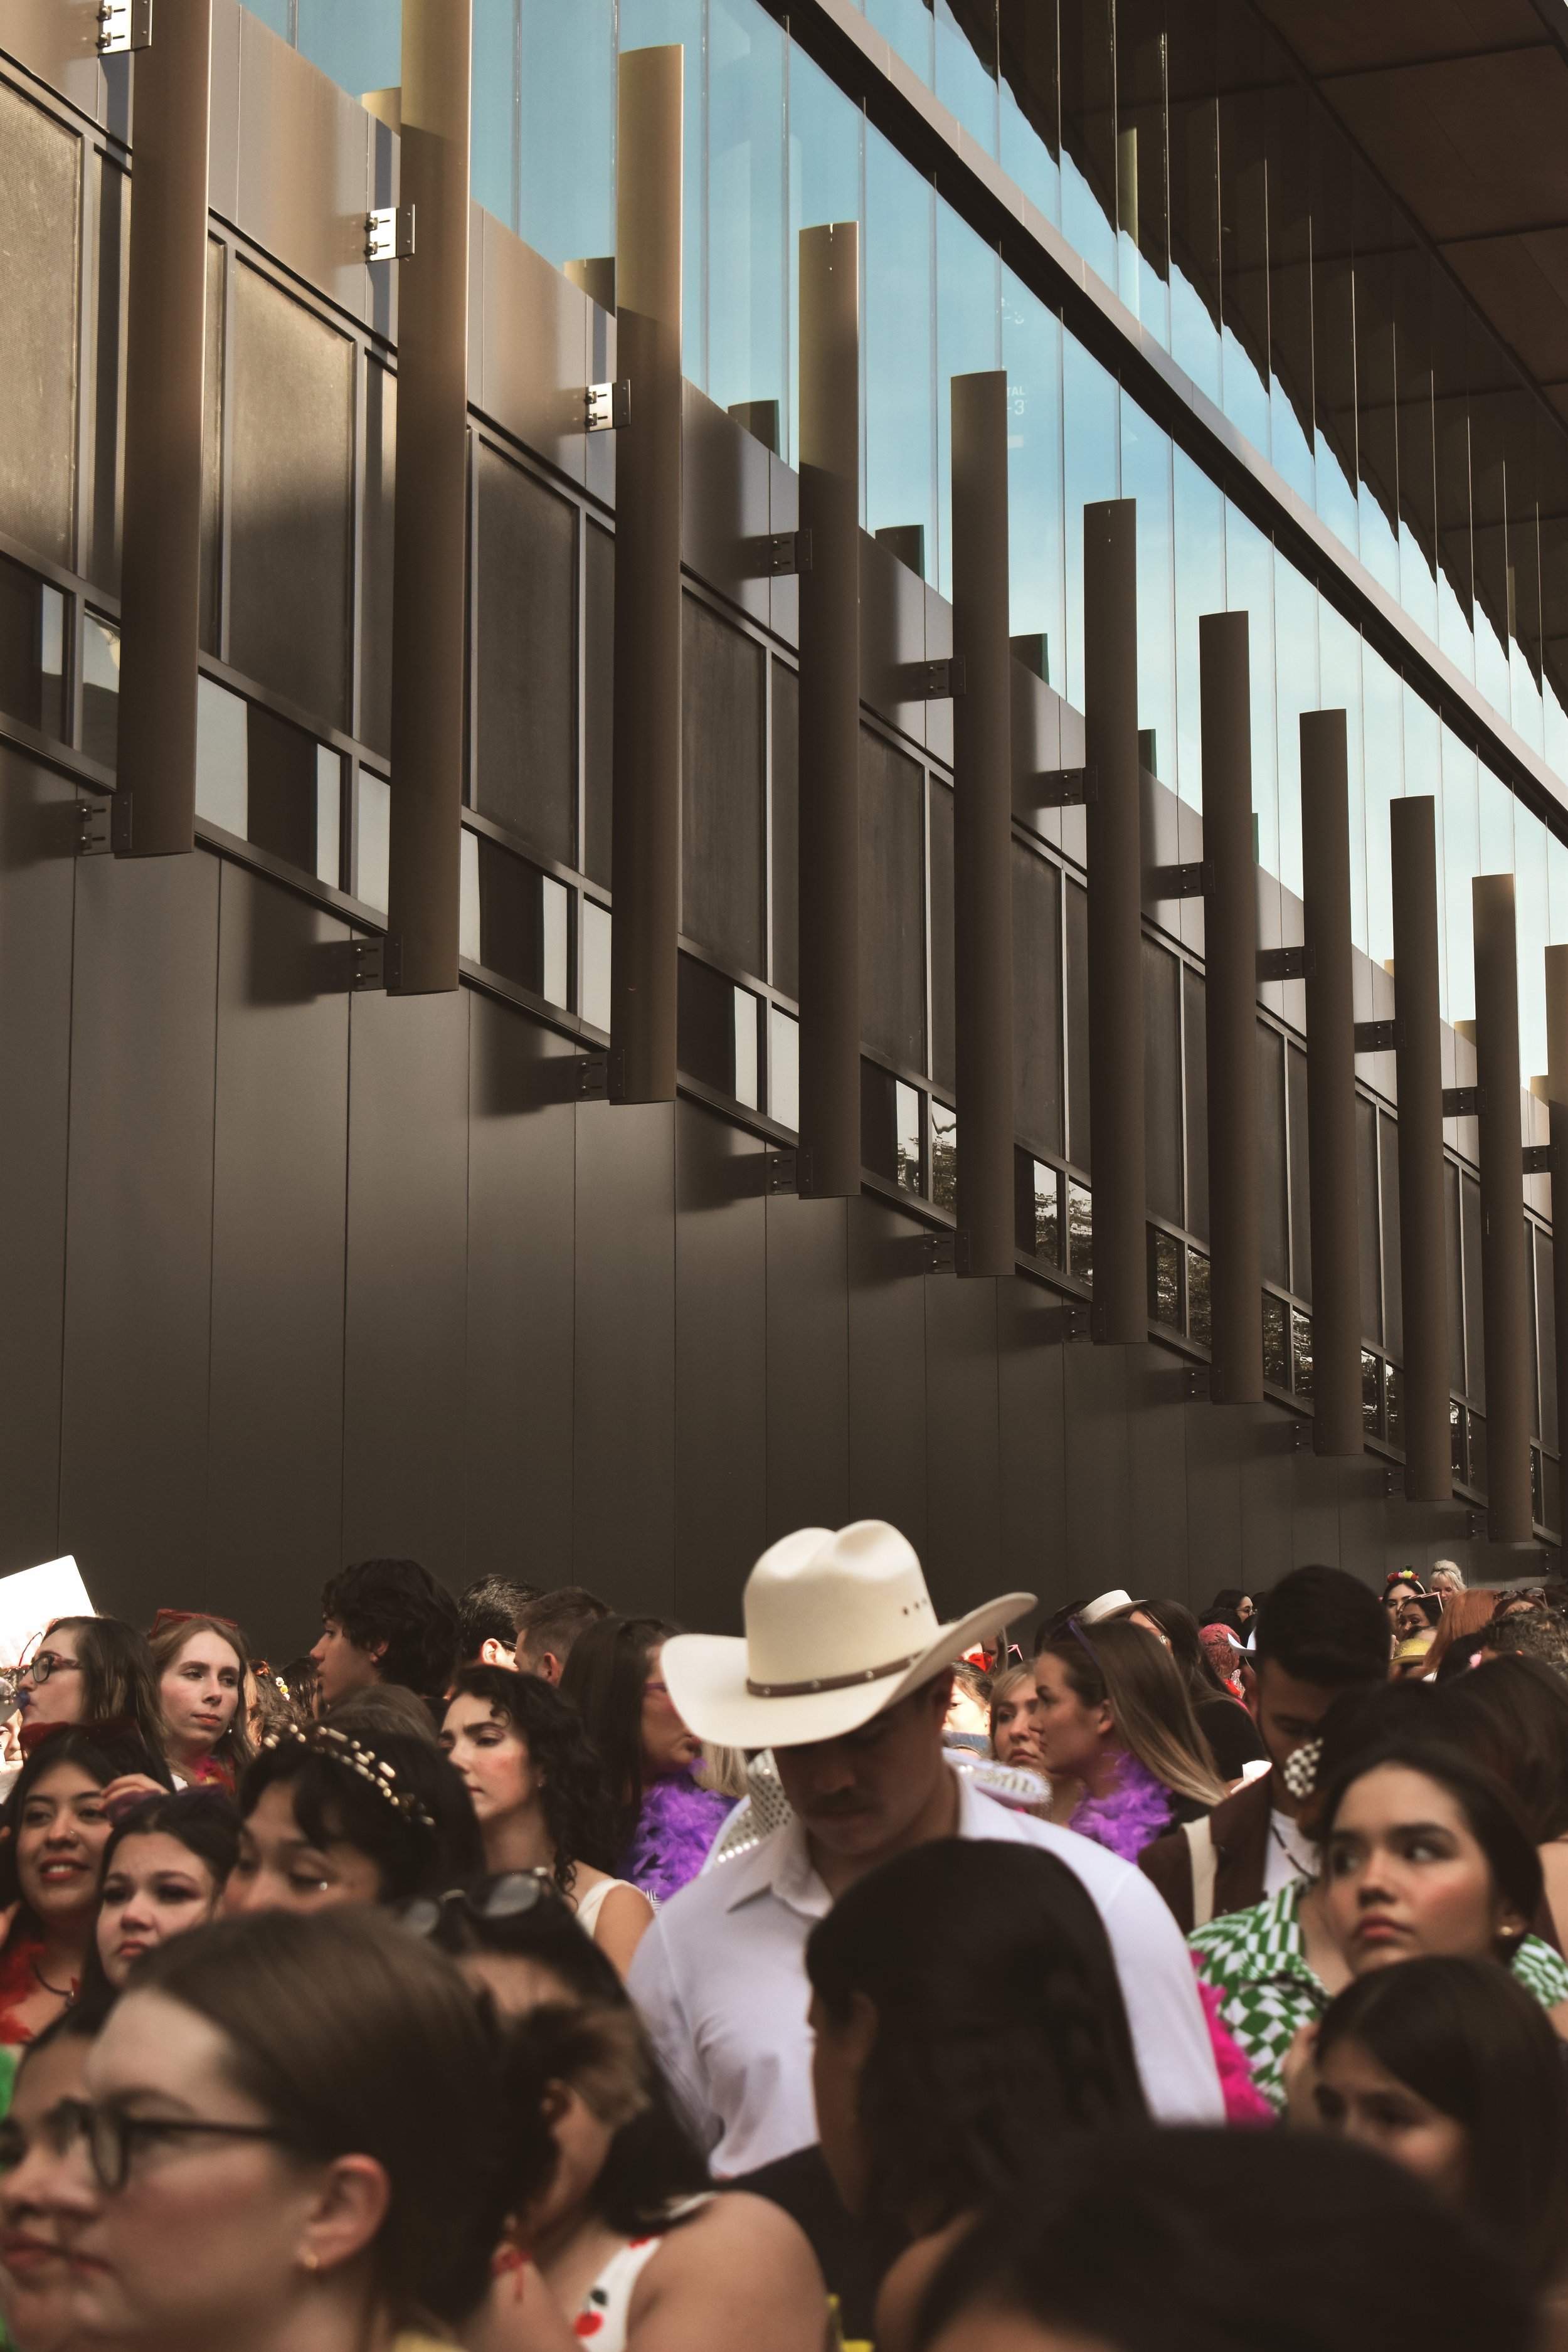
(311, 2262)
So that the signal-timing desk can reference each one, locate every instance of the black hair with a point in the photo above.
(1468, 2038)
(118, 1677)
(400, 1604)
(1490, 1813)
(1323, 1626)
(204, 1821)
(1187, 2240)
(421, 1848)
(554, 1620)
(1512, 1715)
(1182, 1630)
(355, 2038)
(604, 2055)
(547, 1933)
(487, 1611)
(578, 1817)
(104, 1759)
(1000, 2022)
(603, 1678)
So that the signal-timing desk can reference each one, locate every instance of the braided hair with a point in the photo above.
(1000, 2022)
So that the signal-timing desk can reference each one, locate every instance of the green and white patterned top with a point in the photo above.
(1256, 1963)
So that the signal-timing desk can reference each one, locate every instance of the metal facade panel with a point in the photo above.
(721, 1365)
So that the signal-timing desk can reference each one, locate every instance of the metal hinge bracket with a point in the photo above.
(593, 1076)
(781, 552)
(1464, 1102)
(1379, 1036)
(1183, 881)
(1537, 1160)
(389, 233)
(607, 407)
(1065, 787)
(1286, 963)
(94, 828)
(933, 1253)
(932, 681)
(124, 25)
(373, 964)
(785, 1172)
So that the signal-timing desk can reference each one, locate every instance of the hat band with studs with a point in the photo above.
(832, 1682)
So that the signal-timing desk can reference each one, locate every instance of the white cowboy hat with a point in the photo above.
(838, 1626)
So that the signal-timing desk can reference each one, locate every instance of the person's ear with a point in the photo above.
(375, 1651)
(493, 1651)
(548, 1668)
(347, 2210)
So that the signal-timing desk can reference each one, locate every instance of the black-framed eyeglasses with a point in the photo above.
(508, 1897)
(47, 1663)
(112, 2138)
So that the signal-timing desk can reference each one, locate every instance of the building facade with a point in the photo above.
(297, 1268)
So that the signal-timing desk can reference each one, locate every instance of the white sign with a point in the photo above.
(33, 1598)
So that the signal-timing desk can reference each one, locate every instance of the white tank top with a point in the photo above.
(603, 2315)
(593, 1903)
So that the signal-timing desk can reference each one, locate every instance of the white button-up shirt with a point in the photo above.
(720, 1978)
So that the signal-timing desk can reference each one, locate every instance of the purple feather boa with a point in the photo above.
(1137, 1810)
(677, 1825)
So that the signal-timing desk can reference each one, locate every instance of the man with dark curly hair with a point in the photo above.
(385, 1620)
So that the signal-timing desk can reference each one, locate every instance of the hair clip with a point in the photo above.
(325, 1739)
(1300, 1768)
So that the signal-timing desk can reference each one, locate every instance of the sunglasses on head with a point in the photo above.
(510, 1897)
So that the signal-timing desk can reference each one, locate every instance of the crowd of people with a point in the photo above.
(510, 1973)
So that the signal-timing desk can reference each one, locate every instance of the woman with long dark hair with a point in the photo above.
(1512, 1715)
(328, 1818)
(666, 1822)
(1233, 1737)
(537, 1790)
(1116, 1735)
(92, 1670)
(164, 1870)
(1447, 2067)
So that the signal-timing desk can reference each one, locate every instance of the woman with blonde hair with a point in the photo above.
(1015, 1718)
(1118, 1737)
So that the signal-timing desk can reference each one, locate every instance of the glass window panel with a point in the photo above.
(1286, 121)
(1031, 101)
(1475, 1351)
(1366, 1158)
(1146, 477)
(595, 1003)
(1039, 1222)
(375, 840)
(329, 815)
(222, 787)
(1534, 931)
(553, 911)
(1080, 1231)
(1529, 1284)
(375, 562)
(1193, 134)
(892, 903)
(965, 33)
(900, 442)
(1339, 685)
(968, 338)
(510, 916)
(907, 24)
(1524, 426)
(1383, 755)
(1296, 673)
(1143, 229)
(598, 699)
(785, 828)
(1456, 1277)
(1334, 177)
(705, 1023)
(1462, 861)
(1199, 547)
(525, 767)
(1276, 1342)
(1451, 416)
(493, 122)
(1165, 1255)
(722, 788)
(746, 297)
(1199, 1316)
(1371, 1394)
(1417, 440)
(209, 627)
(291, 533)
(748, 1082)
(1163, 1082)
(944, 1155)
(567, 148)
(825, 134)
(1388, 1193)
(1037, 1000)
(1301, 1185)
(40, 165)
(1300, 1352)
(1489, 379)
(653, 23)
(784, 1067)
(1376, 386)
(943, 1014)
(358, 42)
(1089, 133)
(884, 1133)
(1546, 1329)
(1076, 917)
(907, 1137)
(1249, 589)
(1195, 1062)
(32, 650)
(1273, 1198)
(1092, 472)
(1032, 354)
(470, 943)
(1244, 230)
(100, 690)
(277, 14)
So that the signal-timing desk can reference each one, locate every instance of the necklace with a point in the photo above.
(60, 1992)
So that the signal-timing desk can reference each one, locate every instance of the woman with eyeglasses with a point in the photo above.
(164, 1870)
(613, 2218)
(94, 1670)
(330, 1818)
(202, 1665)
(292, 2141)
(1118, 1738)
(59, 1821)
(538, 1791)
(666, 1821)
(43, 2197)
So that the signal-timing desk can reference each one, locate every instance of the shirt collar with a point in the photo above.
(782, 1865)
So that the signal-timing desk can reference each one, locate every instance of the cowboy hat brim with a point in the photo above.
(706, 1678)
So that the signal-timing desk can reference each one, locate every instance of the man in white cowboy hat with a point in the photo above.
(845, 1673)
